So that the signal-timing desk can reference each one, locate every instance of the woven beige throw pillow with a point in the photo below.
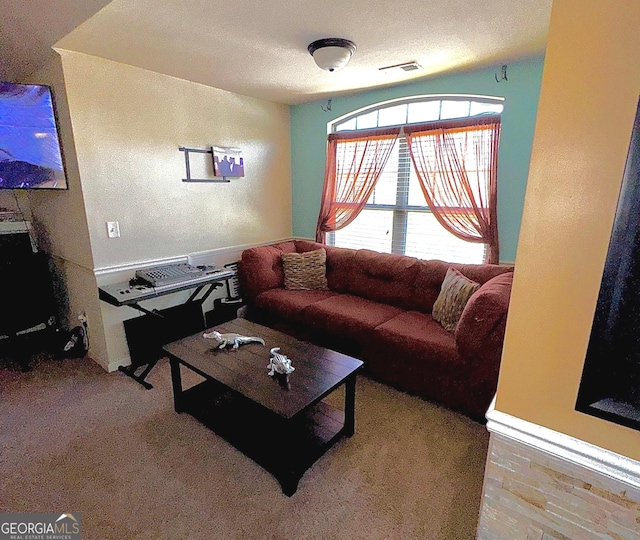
(454, 294)
(305, 271)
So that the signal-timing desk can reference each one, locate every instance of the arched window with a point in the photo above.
(396, 217)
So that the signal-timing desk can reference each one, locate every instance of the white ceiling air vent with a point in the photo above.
(407, 66)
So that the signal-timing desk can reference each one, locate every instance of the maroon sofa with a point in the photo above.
(378, 308)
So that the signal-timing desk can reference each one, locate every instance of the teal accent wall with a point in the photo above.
(521, 92)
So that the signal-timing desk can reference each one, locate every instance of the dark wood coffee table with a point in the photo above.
(283, 429)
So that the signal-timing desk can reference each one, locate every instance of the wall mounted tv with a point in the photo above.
(30, 153)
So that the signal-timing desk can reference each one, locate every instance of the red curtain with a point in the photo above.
(457, 165)
(354, 164)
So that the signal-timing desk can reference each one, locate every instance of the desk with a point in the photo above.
(146, 335)
(128, 294)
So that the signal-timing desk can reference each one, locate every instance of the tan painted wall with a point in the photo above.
(121, 128)
(128, 124)
(588, 99)
(61, 215)
(60, 225)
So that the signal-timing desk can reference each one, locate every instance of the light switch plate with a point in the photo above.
(113, 229)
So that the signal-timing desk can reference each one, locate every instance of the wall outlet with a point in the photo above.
(113, 229)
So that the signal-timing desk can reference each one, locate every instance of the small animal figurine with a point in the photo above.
(224, 340)
(279, 363)
(280, 367)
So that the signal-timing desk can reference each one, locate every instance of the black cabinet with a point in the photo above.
(27, 295)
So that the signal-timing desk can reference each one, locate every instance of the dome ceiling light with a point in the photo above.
(332, 54)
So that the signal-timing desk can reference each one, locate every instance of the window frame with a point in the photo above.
(401, 209)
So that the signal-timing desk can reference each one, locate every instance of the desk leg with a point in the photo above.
(130, 371)
(350, 406)
(176, 381)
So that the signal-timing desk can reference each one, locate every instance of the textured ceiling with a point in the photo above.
(28, 29)
(260, 48)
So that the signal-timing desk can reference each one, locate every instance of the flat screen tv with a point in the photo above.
(30, 153)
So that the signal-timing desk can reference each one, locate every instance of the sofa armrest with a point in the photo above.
(480, 331)
(260, 269)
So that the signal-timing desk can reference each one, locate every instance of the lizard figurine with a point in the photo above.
(279, 363)
(224, 340)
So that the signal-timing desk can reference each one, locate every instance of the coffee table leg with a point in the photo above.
(289, 482)
(350, 406)
(176, 381)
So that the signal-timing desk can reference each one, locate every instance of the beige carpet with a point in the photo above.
(76, 439)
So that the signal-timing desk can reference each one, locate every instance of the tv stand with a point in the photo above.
(29, 308)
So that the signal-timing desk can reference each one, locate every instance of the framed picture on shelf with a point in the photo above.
(228, 162)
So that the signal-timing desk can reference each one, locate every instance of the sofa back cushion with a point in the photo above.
(431, 274)
(481, 273)
(339, 262)
(340, 266)
(482, 324)
(427, 284)
(396, 280)
(382, 277)
(261, 268)
(307, 245)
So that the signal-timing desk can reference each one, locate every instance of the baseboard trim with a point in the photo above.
(565, 447)
(218, 256)
(226, 254)
(133, 266)
(115, 364)
(109, 365)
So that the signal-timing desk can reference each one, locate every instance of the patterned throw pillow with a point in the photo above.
(454, 294)
(305, 271)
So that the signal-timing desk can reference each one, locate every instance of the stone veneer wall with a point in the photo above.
(569, 491)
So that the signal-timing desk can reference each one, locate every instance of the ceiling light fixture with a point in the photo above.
(332, 54)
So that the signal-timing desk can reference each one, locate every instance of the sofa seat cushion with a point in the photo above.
(418, 337)
(414, 353)
(289, 304)
(348, 316)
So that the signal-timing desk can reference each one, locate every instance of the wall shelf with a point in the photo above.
(187, 164)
